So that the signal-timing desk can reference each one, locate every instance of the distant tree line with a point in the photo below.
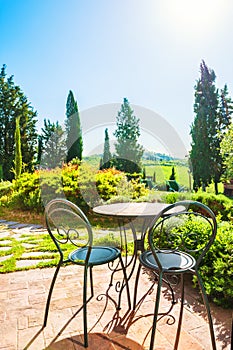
(14, 107)
(23, 149)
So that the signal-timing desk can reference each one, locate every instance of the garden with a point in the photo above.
(86, 187)
(35, 168)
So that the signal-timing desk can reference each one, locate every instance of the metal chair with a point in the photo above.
(67, 224)
(177, 243)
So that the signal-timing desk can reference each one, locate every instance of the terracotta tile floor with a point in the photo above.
(23, 296)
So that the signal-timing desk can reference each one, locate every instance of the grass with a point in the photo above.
(40, 243)
(163, 173)
(39, 246)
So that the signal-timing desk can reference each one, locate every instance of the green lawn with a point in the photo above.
(163, 173)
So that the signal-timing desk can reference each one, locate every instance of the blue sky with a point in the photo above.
(148, 51)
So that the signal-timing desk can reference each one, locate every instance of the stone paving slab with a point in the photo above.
(17, 225)
(29, 263)
(5, 242)
(3, 258)
(19, 232)
(4, 249)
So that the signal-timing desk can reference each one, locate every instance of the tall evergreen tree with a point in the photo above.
(227, 154)
(53, 145)
(43, 138)
(128, 151)
(74, 139)
(213, 114)
(106, 162)
(204, 130)
(18, 153)
(225, 110)
(13, 104)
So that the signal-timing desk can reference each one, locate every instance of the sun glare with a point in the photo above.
(191, 19)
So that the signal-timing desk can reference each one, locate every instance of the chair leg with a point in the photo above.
(136, 286)
(85, 307)
(156, 310)
(207, 306)
(126, 284)
(50, 294)
(181, 314)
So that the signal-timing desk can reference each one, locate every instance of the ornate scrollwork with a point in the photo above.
(73, 236)
(61, 235)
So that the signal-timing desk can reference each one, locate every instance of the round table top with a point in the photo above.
(132, 209)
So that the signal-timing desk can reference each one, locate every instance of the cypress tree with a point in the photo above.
(204, 129)
(18, 153)
(74, 140)
(106, 162)
(213, 114)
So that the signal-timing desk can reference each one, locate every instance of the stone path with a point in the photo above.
(11, 231)
(31, 257)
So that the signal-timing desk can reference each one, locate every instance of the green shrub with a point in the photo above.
(107, 181)
(5, 191)
(79, 183)
(173, 197)
(219, 204)
(5, 188)
(139, 189)
(217, 267)
(71, 184)
(26, 192)
(50, 185)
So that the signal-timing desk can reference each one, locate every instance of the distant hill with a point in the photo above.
(150, 155)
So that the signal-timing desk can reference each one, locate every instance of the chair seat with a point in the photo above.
(99, 255)
(171, 261)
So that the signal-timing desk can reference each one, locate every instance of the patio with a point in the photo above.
(23, 295)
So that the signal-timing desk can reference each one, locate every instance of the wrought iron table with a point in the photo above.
(138, 217)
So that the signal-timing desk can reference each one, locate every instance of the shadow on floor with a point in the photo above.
(97, 341)
(223, 318)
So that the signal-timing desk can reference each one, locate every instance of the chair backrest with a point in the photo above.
(67, 224)
(191, 229)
